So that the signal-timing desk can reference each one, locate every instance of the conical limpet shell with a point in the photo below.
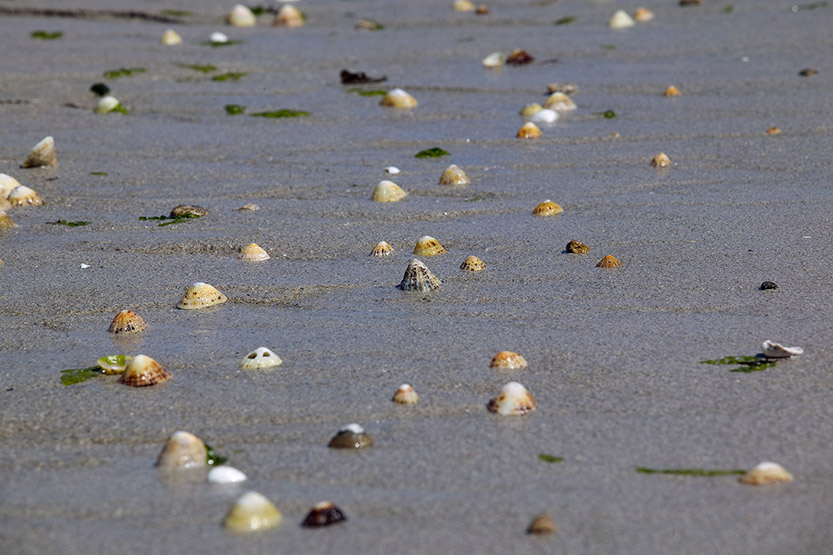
(252, 512)
(143, 371)
(253, 252)
(381, 250)
(24, 196)
(250, 207)
(643, 14)
(127, 321)
(288, 16)
(560, 102)
(7, 185)
(773, 131)
(473, 264)
(463, 6)
(418, 278)
(241, 16)
(217, 38)
(171, 37)
(107, 104)
(454, 175)
(259, 359)
(529, 131)
(351, 436)
(545, 115)
(494, 60)
(661, 160)
(541, 524)
(577, 247)
(776, 350)
(508, 360)
(405, 395)
(6, 221)
(200, 295)
(513, 400)
(182, 451)
(428, 246)
(547, 208)
(531, 109)
(609, 261)
(397, 98)
(188, 211)
(621, 20)
(387, 191)
(42, 154)
(323, 514)
(225, 475)
(671, 91)
(766, 473)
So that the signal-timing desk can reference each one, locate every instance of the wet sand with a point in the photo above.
(613, 355)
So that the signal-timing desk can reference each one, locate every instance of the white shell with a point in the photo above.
(225, 475)
(776, 350)
(354, 428)
(495, 59)
(560, 102)
(42, 154)
(463, 6)
(766, 473)
(260, 358)
(514, 399)
(392, 170)
(387, 191)
(545, 115)
(621, 20)
(288, 16)
(106, 104)
(218, 37)
(252, 512)
(398, 98)
(241, 16)
(171, 37)
(182, 451)
(7, 183)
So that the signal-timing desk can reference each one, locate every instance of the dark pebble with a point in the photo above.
(768, 285)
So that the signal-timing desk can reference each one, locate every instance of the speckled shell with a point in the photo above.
(252, 512)
(405, 395)
(531, 109)
(24, 196)
(419, 278)
(253, 252)
(428, 246)
(200, 295)
(182, 451)
(473, 264)
(288, 16)
(508, 360)
(225, 475)
(42, 154)
(351, 436)
(661, 160)
(7, 184)
(188, 210)
(144, 371)
(541, 524)
(323, 514)
(387, 191)
(621, 20)
(577, 247)
(609, 261)
(776, 350)
(241, 16)
(454, 175)
(672, 91)
(171, 37)
(6, 221)
(529, 131)
(547, 208)
(397, 98)
(127, 321)
(643, 14)
(381, 250)
(259, 359)
(766, 473)
(513, 400)
(559, 102)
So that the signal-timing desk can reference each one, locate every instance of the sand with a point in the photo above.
(614, 355)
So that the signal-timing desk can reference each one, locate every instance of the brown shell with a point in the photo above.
(144, 371)
(323, 514)
(529, 131)
(200, 295)
(513, 400)
(419, 278)
(182, 451)
(428, 246)
(347, 439)
(519, 58)
(382, 249)
(577, 247)
(661, 160)
(127, 321)
(547, 208)
(672, 91)
(473, 264)
(609, 261)
(405, 395)
(541, 524)
(508, 360)
(188, 211)
(773, 131)
(643, 14)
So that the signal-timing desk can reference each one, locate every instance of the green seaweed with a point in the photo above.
(810, 6)
(746, 363)
(46, 35)
(119, 108)
(608, 47)
(78, 223)
(435, 152)
(550, 458)
(566, 20)
(176, 13)
(212, 458)
(230, 76)
(609, 114)
(699, 472)
(284, 113)
(234, 109)
(169, 220)
(72, 376)
(207, 68)
(123, 72)
(258, 10)
(466, 39)
(220, 44)
(99, 173)
(370, 93)
(729, 9)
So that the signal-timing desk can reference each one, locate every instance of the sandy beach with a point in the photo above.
(614, 354)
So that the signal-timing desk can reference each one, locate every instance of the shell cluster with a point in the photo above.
(513, 400)
(143, 371)
(419, 278)
(351, 436)
(200, 295)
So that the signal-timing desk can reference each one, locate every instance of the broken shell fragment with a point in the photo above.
(144, 371)
(251, 207)
(544, 115)
(463, 6)
(531, 109)
(541, 524)
(24, 196)
(351, 436)
(454, 175)
(661, 160)
(241, 16)
(643, 15)
(513, 400)
(776, 350)
(560, 102)
(387, 191)
(473, 264)
(252, 512)
(609, 261)
(405, 395)
(200, 295)
(577, 247)
(288, 16)
(225, 475)
(508, 360)
(107, 104)
(7, 184)
(42, 154)
(381, 250)
(397, 98)
(188, 211)
(171, 37)
(547, 208)
(323, 514)
(428, 246)
(6, 221)
(253, 252)
(494, 60)
(127, 321)
(259, 359)
(621, 20)
(418, 278)
(671, 91)
(182, 451)
(529, 131)
(766, 473)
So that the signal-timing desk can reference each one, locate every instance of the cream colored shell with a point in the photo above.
(42, 154)
(259, 359)
(200, 295)
(252, 512)
(182, 451)
(387, 191)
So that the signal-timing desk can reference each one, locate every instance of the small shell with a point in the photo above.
(42, 154)
(241, 16)
(127, 321)
(4, 204)
(494, 60)
(381, 250)
(544, 115)
(672, 91)
(171, 37)
(508, 360)
(405, 395)
(454, 175)
(24, 196)
(323, 514)
(351, 436)
(473, 264)
(107, 104)
(252, 512)
(529, 131)
(609, 261)
(6, 221)
(217, 38)
(643, 14)
(397, 98)
(200, 295)
(577, 247)
(560, 102)
(253, 252)
(463, 6)
(531, 109)
(387, 191)
(541, 524)
(661, 160)
(621, 20)
(288, 16)
(514, 399)
(188, 211)
(250, 207)
(392, 170)
(773, 131)
(7, 184)
(519, 57)
(182, 451)
(482, 9)
(428, 246)
(776, 350)
(143, 371)
(418, 278)
(566, 88)
(259, 359)
(225, 475)
(766, 473)
(547, 208)
(768, 285)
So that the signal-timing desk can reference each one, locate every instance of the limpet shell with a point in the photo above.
(182, 451)
(609, 261)
(397, 98)
(773, 131)
(351, 436)
(42, 154)
(547, 208)
(513, 400)
(387, 191)
(127, 321)
(289, 16)
(171, 37)
(577, 247)
(252, 512)
(188, 211)
(24, 196)
(418, 278)
(107, 104)
(545, 115)
(241, 16)
(473, 264)
(144, 371)
(766, 473)
(405, 395)
(392, 170)
(508, 360)
(259, 359)
(768, 285)
(7, 184)
(200, 295)
(531, 109)
(494, 60)
(566, 88)
(463, 6)
(381, 250)
(661, 160)
(541, 524)
(519, 57)
(776, 350)
(621, 20)
(250, 207)
(323, 514)
(560, 102)
(529, 131)
(218, 38)
(454, 175)
(6, 221)
(672, 91)
(428, 246)
(225, 475)
(482, 9)
(253, 252)
(643, 14)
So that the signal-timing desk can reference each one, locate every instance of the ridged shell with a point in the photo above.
(200, 295)
(418, 278)
(171, 37)
(127, 321)
(531, 109)
(182, 451)
(661, 160)
(351, 436)
(454, 175)
(188, 211)
(559, 102)
(144, 371)
(609, 261)
(776, 350)
(428, 246)
(42, 154)
(766, 473)
(259, 359)
(508, 360)
(387, 191)
(541, 524)
(7, 184)
(6, 221)
(323, 514)
(241, 16)
(513, 400)
(252, 512)
(397, 98)
(225, 475)
(405, 395)
(643, 14)
(672, 91)
(621, 20)
(529, 131)
(289, 16)
(253, 252)
(473, 264)
(577, 247)
(547, 208)
(24, 196)
(381, 250)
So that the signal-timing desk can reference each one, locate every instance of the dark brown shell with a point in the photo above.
(348, 439)
(323, 514)
(577, 247)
